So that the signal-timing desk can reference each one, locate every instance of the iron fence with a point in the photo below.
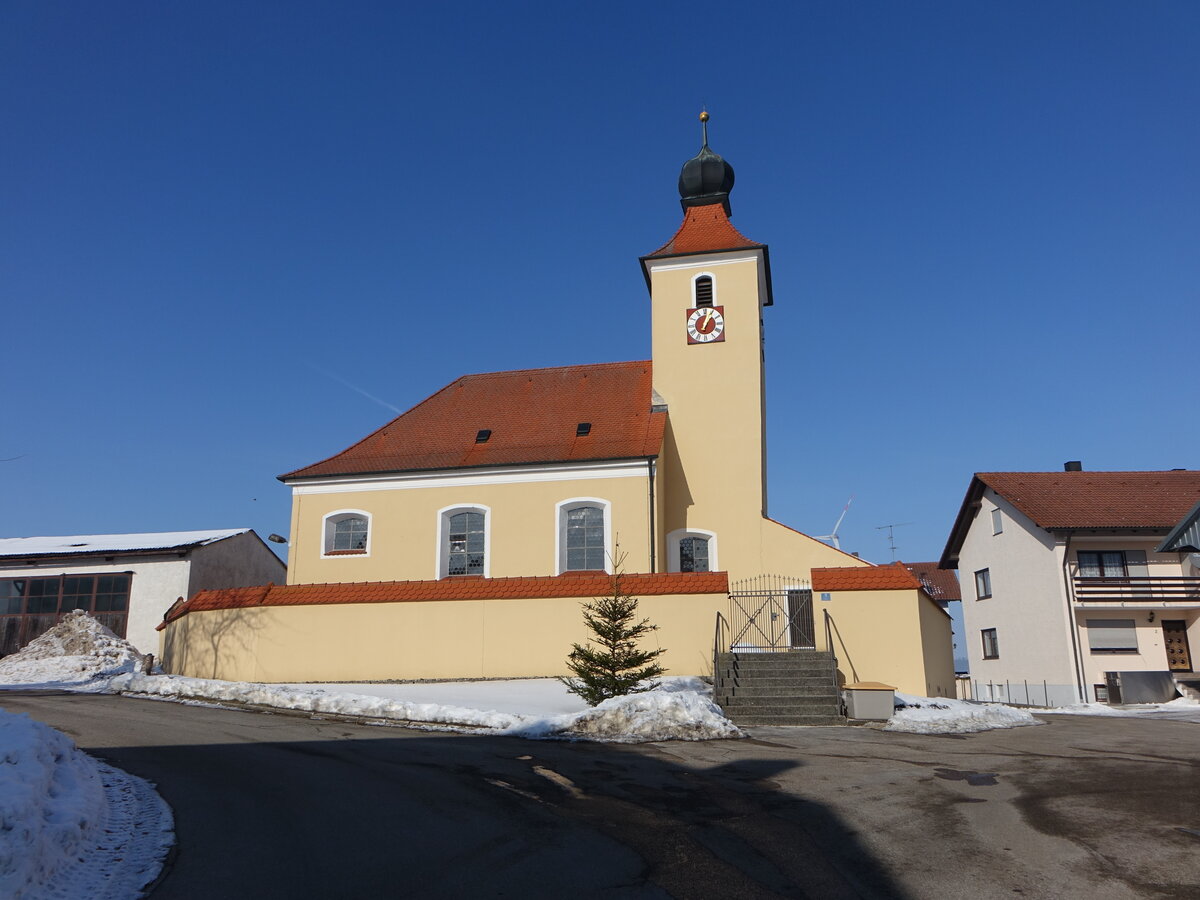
(770, 613)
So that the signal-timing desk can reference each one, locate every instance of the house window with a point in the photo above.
(1112, 635)
(983, 584)
(703, 287)
(583, 535)
(464, 541)
(997, 521)
(991, 647)
(1102, 564)
(693, 554)
(347, 533)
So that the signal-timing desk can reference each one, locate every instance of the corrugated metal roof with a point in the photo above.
(111, 543)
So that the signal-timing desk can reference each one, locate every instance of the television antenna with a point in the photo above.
(891, 535)
(833, 538)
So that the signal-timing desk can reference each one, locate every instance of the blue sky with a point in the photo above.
(983, 224)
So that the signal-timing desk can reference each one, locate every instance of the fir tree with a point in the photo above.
(611, 665)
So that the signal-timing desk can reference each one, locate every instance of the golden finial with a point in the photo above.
(704, 115)
(704, 126)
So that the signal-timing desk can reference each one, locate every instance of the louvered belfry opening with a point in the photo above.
(704, 291)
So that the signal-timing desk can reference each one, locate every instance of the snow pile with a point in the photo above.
(75, 650)
(677, 710)
(658, 715)
(71, 826)
(940, 715)
(1184, 709)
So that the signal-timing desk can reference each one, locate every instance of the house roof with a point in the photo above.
(532, 415)
(571, 584)
(1082, 501)
(940, 584)
(892, 577)
(97, 544)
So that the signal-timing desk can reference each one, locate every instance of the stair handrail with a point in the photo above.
(721, 629)
(829, 646)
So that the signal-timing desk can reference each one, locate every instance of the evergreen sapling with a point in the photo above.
(611, 665)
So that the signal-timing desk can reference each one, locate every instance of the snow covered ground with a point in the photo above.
(940, 715)
(72, 826)
(679, 709)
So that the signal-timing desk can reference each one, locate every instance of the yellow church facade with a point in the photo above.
(459, 539)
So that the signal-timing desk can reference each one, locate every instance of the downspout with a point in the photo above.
(653, 537)
(1071, 622)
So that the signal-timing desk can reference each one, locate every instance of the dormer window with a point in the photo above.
(483, 435)
(703, 288)
(583, 429)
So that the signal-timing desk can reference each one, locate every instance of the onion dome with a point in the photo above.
(705, 178)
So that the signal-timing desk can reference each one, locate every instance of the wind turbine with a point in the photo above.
(833, 538)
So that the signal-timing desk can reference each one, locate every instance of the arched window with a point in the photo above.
(465, 537)
(347, 533)
(692, 550)
(463, 540)
(703, 290)
(693, 554)
(583, 535)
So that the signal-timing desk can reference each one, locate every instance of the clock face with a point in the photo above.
(705, 324)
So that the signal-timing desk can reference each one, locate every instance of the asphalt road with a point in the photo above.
(277, 806)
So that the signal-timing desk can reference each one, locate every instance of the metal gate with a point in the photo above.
(771, 613)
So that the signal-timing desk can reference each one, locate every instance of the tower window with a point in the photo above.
(704, 290)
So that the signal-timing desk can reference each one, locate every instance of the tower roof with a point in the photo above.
(705, 178)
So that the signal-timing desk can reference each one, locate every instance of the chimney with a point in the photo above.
(1073, 465)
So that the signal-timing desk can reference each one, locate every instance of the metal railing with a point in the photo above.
(771, 613)
(1137, 589)
(720, 645)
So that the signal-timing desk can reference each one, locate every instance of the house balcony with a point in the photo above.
(1137, 591)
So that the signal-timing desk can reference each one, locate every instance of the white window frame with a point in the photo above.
(560, 532)
(986, 572)
(332, 518)
(673, 539)
(997, 521)
(443, 545)
(696, 278)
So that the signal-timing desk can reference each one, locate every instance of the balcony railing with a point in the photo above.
(1171, 589)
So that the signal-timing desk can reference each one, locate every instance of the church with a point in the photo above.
(459, 539)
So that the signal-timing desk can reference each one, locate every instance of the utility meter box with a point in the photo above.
(869, 700)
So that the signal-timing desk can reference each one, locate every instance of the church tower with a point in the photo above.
(708, 287)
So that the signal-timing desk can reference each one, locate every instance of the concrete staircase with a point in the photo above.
(795, 687)
(1188, 684)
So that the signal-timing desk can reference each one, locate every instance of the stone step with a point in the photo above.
(825, 671)
(788, 720)
(819, 691)
(790, 708)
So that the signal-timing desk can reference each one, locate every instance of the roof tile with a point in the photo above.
(1098, 499)
(892, 577)
(704, 228)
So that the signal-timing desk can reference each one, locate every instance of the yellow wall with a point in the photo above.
(436, 639)
(405, 528)
(895, 637)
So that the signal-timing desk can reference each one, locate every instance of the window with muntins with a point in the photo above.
(350, 533)
(991, 647)
(1102, 564)
(465, 532)
(31, 606)
(585, 538)
(693, 554)
(983, 584)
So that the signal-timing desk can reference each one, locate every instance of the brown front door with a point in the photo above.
(1179, 657)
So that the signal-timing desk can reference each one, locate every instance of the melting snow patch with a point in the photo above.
(940, 715)
(71, 826)
(677, 710)
(78, 649)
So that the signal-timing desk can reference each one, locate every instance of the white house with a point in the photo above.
(1067, 588)
(127, 581)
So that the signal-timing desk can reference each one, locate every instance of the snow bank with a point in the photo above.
(71, 826)
(77, 649)
(674, 711)
(940, 715)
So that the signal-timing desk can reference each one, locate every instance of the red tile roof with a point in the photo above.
(892, 577)
(1098, 499)
(940, 584)
(1066, 501)
(704, 229)
(532, 415)
(572, 584)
